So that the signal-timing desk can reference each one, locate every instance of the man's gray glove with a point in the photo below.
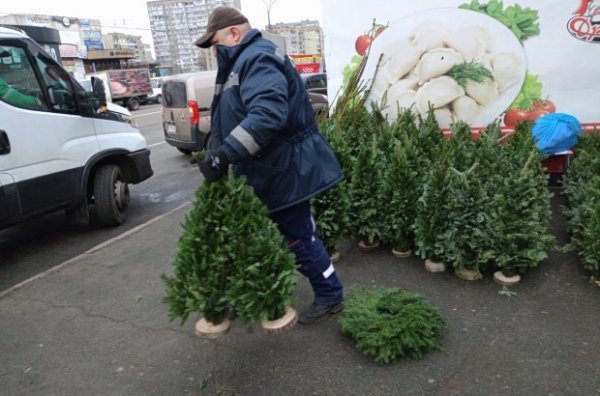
(214, 165)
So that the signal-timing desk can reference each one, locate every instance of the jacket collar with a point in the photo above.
(227, 55)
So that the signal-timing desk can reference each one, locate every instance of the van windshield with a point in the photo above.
(174, 94)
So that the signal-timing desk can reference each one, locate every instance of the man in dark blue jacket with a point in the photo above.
(263, 124)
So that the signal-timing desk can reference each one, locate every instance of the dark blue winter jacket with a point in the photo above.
(262, 116)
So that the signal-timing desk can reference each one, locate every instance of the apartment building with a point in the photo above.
(304, 37)
(175, 25)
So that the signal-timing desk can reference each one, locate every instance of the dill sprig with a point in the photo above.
(474, 71)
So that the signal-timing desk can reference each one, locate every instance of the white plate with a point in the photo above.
(452, 18)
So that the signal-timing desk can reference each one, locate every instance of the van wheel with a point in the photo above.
(133, 104)
(111, 195)
(159, 99)
(184, 151)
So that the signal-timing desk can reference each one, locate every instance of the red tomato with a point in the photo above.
(534, 115)
(379, 30)
(546, 105)
(513, 117)
(362, 43)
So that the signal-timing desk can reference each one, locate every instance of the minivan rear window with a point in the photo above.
(174, 94)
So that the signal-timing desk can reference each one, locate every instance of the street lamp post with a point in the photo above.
(269, 4)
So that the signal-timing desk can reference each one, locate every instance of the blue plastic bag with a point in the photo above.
(556, 132)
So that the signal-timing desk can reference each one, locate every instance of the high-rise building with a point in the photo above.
(175, 25)
(305, 37)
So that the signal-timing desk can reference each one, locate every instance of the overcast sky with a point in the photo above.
(133, 14)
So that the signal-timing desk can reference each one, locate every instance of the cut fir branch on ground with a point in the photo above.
(389, 323)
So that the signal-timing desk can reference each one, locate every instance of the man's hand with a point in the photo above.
(214, 165)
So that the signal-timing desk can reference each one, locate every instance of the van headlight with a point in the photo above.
(130, 120)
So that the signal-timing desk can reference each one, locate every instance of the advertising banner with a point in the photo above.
(306, 63)
(124, 83)
(470, 60)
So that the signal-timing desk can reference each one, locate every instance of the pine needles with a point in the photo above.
(387, 324)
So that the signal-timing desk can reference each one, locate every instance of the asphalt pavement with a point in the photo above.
(96, 325)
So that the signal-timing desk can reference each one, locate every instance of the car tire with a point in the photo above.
(133, 104)
(184, 151)
(159, 99)
(111, 195)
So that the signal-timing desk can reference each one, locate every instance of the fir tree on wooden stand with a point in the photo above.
(463, 205)
(230, 257)
(416, 148)
(431, 219)
(400, 192)
(582, 186)
(520, 223)
(202, 266)
(263, 279)
(469, 243)
(331, 208)
(367, 207)
(466, 234)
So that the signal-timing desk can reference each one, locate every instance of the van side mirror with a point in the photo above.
(98, 90)
(87, 102)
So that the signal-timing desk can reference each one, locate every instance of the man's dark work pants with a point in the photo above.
(298, 227)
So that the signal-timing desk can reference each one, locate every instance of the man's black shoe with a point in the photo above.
(316, 312)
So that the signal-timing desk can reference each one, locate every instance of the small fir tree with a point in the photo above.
(461, 147)
(331, 209)
(431, 220)
(202, 266)
(230, 256)
(263, 278)
(522, 207)
(582, 187)
(387, 324)
(466, 233)
(367, 207)
(429, 142)
(400, 192)
(521, 217)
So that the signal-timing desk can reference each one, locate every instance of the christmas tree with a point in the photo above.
(401, 186)
(582, 186)
(331, 208)
(230, 257)
(520, 220)
(367, 208)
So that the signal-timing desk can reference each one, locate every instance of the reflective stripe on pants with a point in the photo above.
(297, 226)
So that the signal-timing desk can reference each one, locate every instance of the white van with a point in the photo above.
(186, 109)
(60, 148)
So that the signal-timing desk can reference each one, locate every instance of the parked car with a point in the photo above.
(315, 82)
(156, 95)
(319, 103)
(316, 86)
(186, 109)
